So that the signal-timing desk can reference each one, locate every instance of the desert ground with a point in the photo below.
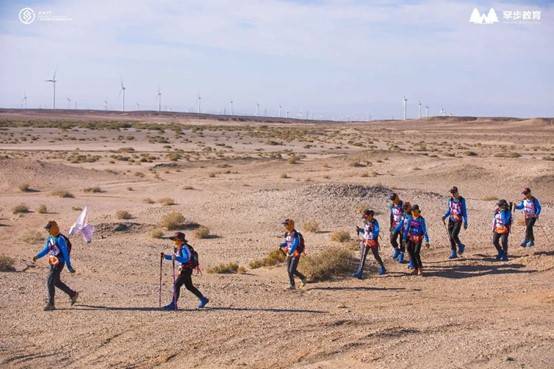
(239, 179)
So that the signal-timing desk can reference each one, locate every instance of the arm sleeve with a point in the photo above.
(168, 257)
(391, 217)
(519, 205)
(65, 252)
(464, 211)
(44, 250)
(538, 207)
(505, 217)
(399, 226)
(294, 244)
(424, 226)
(405, 228)
(184, 257)
(376, 230)
(447, 213)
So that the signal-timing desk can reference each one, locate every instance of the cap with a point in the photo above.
(407, 206)
(368, 212)
(454, 189)
(526, 191)
(502, 203)
(416, 208)
(178, 236)
(288, 222)
(51, 224)
(393, 196)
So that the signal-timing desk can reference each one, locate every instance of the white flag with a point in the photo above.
(82, 227)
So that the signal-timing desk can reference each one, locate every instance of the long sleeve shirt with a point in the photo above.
(456, 210)
(531, 207)
(182, 256)
(417, 227)
(370, 231)
(56, 246)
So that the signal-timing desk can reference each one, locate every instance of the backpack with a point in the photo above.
(194, 261)
(67, 242)
(301, 244)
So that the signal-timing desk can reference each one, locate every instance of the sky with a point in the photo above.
(328, 59)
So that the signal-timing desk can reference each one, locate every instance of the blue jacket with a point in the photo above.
(416, 227)
(292, 240)
(501, 218)
(57, 247)
(402, 226)
(531, 207)
(370, 230)
(182, 256)
(456, 208)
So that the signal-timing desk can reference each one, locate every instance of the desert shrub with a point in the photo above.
(63, 194)
(24, 187)
(241, 270)
(172, 221)
(148, 200)
(6, 264)
(328, 264)
(340, 236)
(123, 214)
(32, 237)
(548, 158)
(284, 176)
(167, 201)
(273, 258)
(20, 209)
(76, 208)
(507, 154)
(188, 188)
(157, 233)
(311, 226)
(490, 198)
(42, 209)
(293, 159)
(471, 153)
(223, 268)
(202, 232)
(94, 189)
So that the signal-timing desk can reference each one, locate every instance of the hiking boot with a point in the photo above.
(203, 302)
(504, 257)
(453, 255)
(74, 297)
(382, 270)
(415, 272)
(170, 307)
(290, 288)
(420, 272)
(523, 243)
(499, 256)
(395, 253)
(410, 265)
(461, 248)
(49, 307)
(400, 257)
(303, 283)
(530, 244)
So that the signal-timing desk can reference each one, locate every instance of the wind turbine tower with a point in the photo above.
(419, 105)
(159, 100)
(53, 82)
(122, 93)
(427, 111)
(405, 104)
(25, 100)
(199, 104)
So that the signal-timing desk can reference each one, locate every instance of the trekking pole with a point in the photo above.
(173, 270)
(160, 289)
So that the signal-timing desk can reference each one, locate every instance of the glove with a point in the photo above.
(443, 221)
(427, 244)
(465, 225)
(162, 254)
(358, 230)
(34, 259)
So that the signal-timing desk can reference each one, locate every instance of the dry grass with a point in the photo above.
(157, 233)
(167, 201)
(273, 258)
(202, 232)
(94, 189)
(229, 268)
(328, 264)
(311, 226)
(490, 198)
(25, 187)
(20, 209)
(63, 194)
(172, 221)
(507, 154)
(6, 264)
(148, 200)
(42, 209)
(32, 237)
(123, 214)
(340, 236)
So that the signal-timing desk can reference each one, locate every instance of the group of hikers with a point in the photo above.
(408, 231)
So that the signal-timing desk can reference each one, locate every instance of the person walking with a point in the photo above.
(416, 232)
(531, 207)
(293, 247)
(370, 241)
(501, 226)
(457, 215)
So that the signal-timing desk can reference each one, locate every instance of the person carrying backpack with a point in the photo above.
(187, 258)
(58, 249)
(532, 209)
(401, 228)
(293, 247)
(457, 215)
(370, 240)
(396, 214)
(415, 233)
(501, 225)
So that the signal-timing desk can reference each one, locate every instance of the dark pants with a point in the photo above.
(396, 240)
(292, 265)
(414, 249)
(185, 278)
(453, 233)
(55, 281)
(529, 224)
(363, 256)
(498, 239)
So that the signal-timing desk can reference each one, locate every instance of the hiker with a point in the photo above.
(293, 247)
(58, 249)
(187, 258)
(370, 240)
(415, 233)
(501, 225)
(396, 214)
(531, 209)
(457, 215)
(401, 229)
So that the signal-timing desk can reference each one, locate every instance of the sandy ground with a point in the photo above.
(238, 179)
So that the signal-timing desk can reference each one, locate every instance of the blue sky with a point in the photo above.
(334, 59)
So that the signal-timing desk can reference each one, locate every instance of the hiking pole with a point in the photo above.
(173, 271)
(160, 289)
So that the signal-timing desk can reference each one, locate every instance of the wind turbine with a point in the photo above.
(427, 111)
(442, 110)
(138, 106)
(159, 100)
(199, 104)
(68, 102)
(231, 107)
(280, 108)
(419, 105)
(122, 92)
(25, 100)
(405, 103)
(106, 105)
(257, 109)
(53, 82)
